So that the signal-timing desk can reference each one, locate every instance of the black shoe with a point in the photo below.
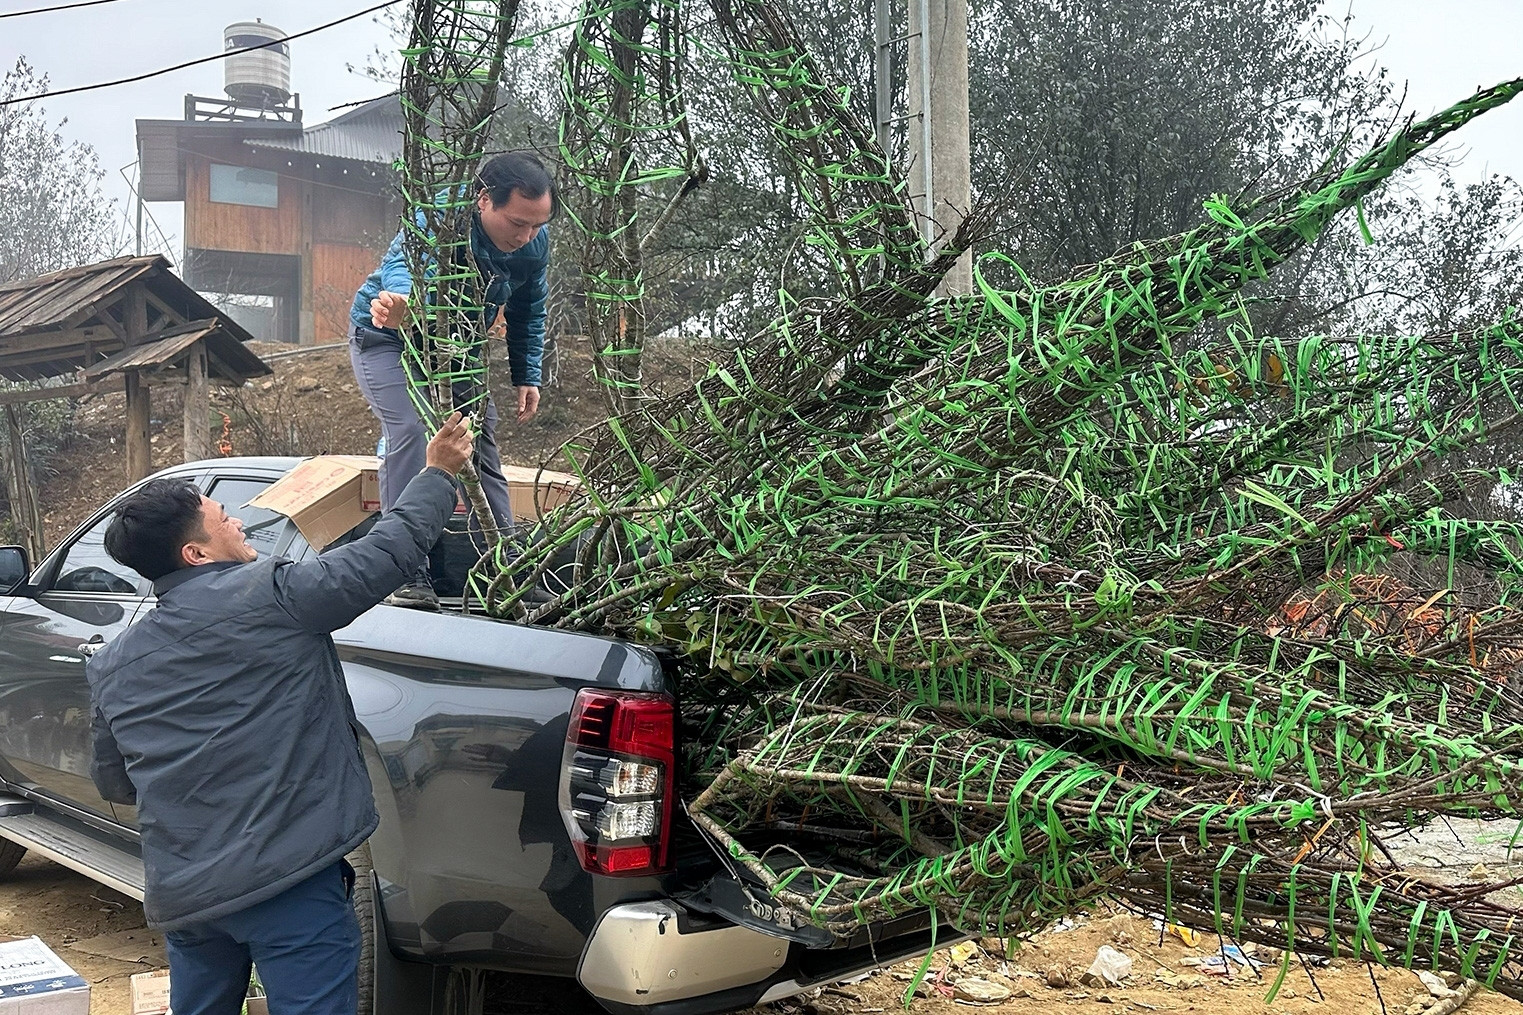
(417, 594)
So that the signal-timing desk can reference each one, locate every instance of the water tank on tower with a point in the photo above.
(260, 77)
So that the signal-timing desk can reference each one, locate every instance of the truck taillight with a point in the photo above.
(618, 780)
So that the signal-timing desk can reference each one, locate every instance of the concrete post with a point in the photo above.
(937, 83)
(883, 74)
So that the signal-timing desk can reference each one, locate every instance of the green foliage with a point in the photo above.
(1113, 122)
(942, 634)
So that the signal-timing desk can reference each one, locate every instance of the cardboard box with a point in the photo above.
(150, 993)
(34, 981)
(555, 488)
(326, 496)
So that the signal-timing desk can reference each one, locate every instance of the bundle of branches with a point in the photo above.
(986, 604)
(452, 68)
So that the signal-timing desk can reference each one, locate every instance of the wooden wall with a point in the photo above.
(239, 227)
(340, 233)
(350, 232)
(337, 271)
(343, 216)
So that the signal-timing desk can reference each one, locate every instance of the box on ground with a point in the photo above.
(150, 995)
(150, 992)
(328, 495)
(34, 981)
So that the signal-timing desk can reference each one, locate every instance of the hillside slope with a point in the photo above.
(312, 406)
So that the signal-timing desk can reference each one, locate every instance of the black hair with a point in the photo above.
(501, 175)
(153, 524)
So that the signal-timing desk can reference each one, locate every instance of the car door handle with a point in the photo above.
(94, 645)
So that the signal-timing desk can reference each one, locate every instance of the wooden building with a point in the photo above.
(272, 208)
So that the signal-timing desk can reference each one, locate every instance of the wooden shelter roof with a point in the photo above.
(71, 320)
(168, 345)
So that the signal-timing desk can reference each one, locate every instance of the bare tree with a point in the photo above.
(52, 215)
(52, 211)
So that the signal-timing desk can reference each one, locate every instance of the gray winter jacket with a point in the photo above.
(224, 716)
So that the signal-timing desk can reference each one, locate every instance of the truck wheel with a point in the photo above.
(364, 912)
(10, 855)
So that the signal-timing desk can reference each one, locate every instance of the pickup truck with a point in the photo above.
(504, 843)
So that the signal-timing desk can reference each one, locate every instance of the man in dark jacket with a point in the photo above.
(223, 715)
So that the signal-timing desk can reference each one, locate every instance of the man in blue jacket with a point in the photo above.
(510, 242)
(223, 715)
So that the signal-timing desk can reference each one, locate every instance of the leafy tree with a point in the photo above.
(1095, 123)
(1111, 122)
(1443, 263)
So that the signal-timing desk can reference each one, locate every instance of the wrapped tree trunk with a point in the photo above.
(977, 605)
(450, 77)
(624, 138)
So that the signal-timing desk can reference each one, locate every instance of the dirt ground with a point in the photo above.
(101, 934)
(66, 910)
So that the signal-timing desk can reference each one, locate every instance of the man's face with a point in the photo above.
(221, 538)
(514, 222)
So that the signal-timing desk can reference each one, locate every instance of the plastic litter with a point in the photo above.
(980, 991)
(1110, 966)
(1435, 984)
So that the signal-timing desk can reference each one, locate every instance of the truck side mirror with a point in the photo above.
(14, 567)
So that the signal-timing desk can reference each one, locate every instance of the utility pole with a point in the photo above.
(937, 83)
(883, 74)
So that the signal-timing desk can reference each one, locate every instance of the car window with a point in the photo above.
(87, 567)
(261, 527)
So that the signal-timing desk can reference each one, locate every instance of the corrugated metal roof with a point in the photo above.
(368, 133)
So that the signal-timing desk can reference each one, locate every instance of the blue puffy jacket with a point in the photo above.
(223, 714)
(516, 282)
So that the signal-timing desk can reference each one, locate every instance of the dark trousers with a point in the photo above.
(383, 381)
(305, 941)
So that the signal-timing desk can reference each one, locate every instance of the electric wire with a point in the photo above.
(201, 60)
(58, 7)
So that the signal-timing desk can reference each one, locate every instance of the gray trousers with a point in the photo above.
(383, 381)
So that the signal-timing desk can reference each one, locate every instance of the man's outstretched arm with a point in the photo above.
(330, 591)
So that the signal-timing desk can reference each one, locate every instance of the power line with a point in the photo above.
(191, 63)
(60, 7)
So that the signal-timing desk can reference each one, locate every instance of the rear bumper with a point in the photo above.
(659, 958)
